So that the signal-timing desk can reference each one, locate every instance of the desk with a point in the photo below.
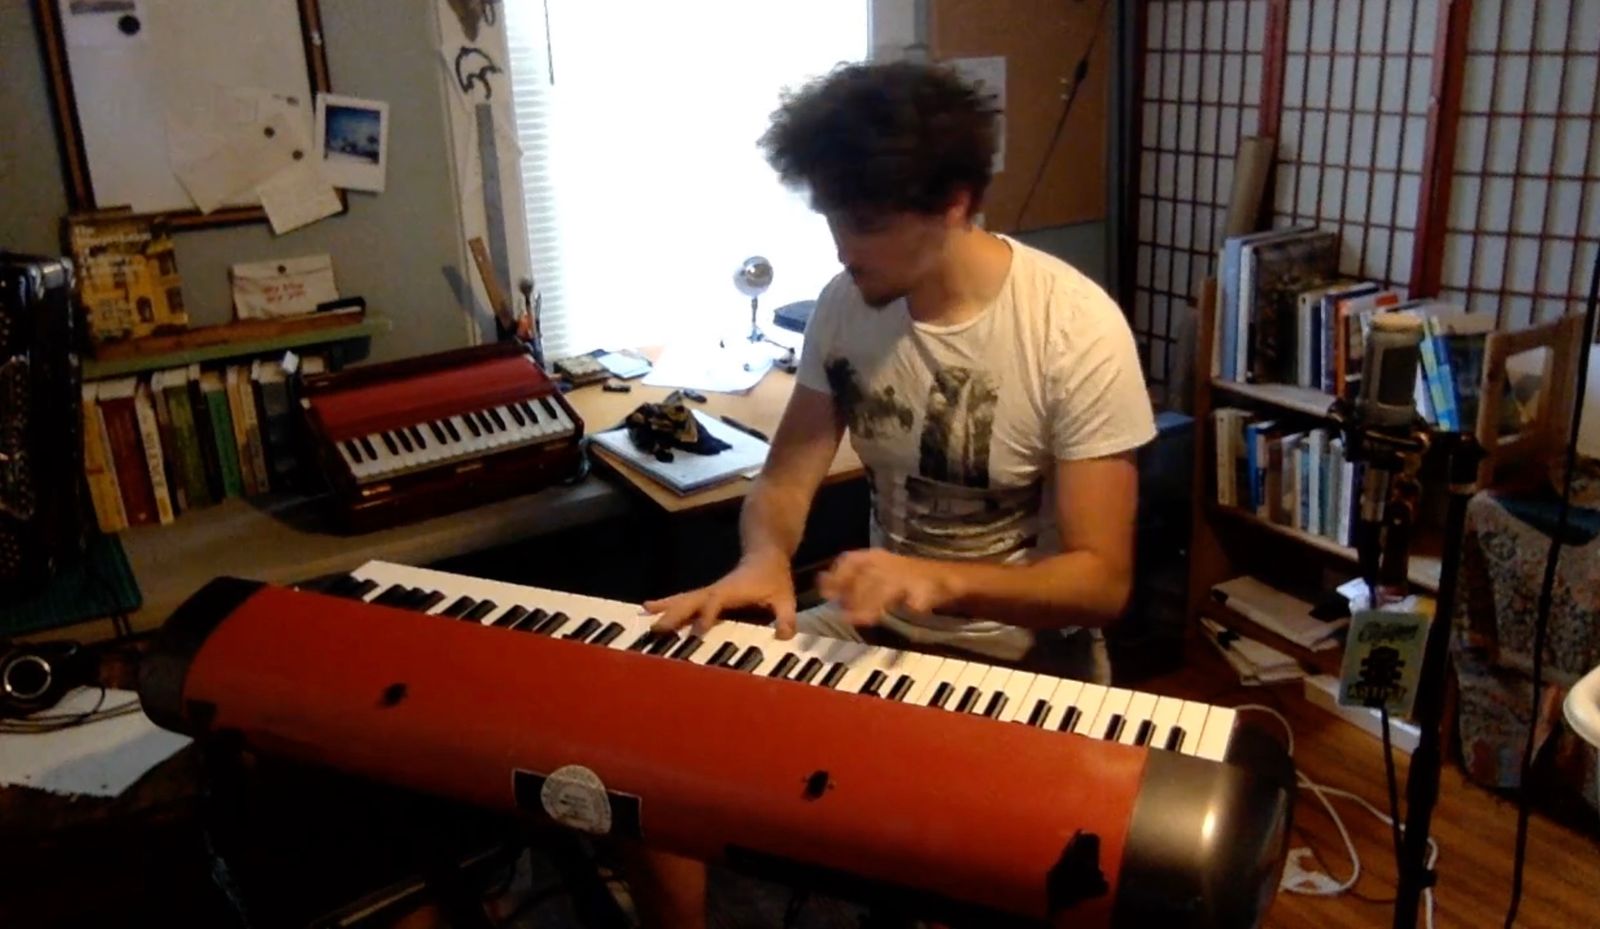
(761, 409)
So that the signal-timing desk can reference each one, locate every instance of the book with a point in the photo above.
(688, 472)
(1278, 270)
(98, 467)
(215, 392)
(127, 449)
(1287, 615)
(155, 461)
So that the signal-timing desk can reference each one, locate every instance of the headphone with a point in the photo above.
(33, 677)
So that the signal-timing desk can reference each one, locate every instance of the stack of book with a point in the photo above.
(1286, 474)
(1256, 662)
(1285, 315)
(161, 444)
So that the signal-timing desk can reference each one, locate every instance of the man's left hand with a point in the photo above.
(866, 583)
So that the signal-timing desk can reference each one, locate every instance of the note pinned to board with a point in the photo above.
(688, 472)
(285, 287)
(298, 196)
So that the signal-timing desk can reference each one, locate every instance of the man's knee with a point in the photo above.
(669, 891)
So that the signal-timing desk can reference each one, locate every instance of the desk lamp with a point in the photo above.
(753, 278)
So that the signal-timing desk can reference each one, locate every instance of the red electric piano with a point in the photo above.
(412, 439)
(956, 790)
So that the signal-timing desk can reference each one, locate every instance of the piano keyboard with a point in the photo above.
(419, 446)
(954, 685)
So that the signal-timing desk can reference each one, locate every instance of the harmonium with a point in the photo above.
(412, 439)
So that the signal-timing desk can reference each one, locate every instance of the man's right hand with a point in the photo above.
(756, 581)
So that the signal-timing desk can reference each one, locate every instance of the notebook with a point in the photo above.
(688, 472)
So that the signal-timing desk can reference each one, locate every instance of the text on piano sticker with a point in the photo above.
(575, 797)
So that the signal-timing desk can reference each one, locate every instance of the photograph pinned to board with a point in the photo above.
(352, 141)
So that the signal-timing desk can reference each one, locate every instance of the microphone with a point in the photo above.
(1382, 419)
(1389, 373)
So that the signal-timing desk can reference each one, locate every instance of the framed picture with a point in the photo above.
(352, 141)
(123, 72)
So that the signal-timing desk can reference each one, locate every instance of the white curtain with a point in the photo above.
(644, 186)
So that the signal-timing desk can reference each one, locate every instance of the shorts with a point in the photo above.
(1077, 654)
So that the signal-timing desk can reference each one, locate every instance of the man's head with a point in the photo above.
(896, 156)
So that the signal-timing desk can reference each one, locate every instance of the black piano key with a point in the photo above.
(941, 695)
(479, 610)
(528, 411)
(438, 433)
(393, 596)
(831, 679)
(996, 704)
(499, 421)
(968, 700)
(450, 427)
(510, 618)
(1175, 739)
(1114, 728)
(750, 660)
(516, 414)
(549, 408)
(405, 440)
(874, 681)
(643, 643)
(424, 600)
(361, 590)
(686, 650)
(389, 443)
(722, 655)
(1069, 721)
(663, 643)
(1040, 711)
(784, 666)
(416, 436)
(1147, 731)
(366, 446)
(901, 688)
(353, 450)
(608, 634)
(461, 606)
(483, 422)
(809, 670)
(342, 586)
(552, 624)
(472, 426)
(585, 629)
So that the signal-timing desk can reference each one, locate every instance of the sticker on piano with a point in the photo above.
(575, 797)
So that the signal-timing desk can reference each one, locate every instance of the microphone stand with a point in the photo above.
(1383, 538)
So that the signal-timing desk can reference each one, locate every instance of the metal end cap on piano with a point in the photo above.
(164, 669)
(1207, 841)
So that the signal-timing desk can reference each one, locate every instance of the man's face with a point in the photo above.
(887, 254)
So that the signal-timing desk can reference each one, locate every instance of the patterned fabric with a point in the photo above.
(658, 428)
(1506, 544)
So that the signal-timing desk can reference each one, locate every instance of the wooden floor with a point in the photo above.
(1475, 828)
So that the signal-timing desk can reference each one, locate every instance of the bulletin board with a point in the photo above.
(119, 69)
(1041, 41)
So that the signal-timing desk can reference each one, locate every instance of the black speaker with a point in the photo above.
(44, 513)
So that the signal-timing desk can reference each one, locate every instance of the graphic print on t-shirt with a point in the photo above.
(947, 508)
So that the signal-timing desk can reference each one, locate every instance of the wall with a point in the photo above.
(398, 249)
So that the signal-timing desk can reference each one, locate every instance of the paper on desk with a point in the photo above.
(99, 759)
(731, 370)
(298, 196)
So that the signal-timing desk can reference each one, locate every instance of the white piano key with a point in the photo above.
(862, 666)
(1218, 732)
(1062, 699)
(1165, 717)
(1192, 720)
(921, 668)
(1042, 688)
(1088, 703)
(1016, 690)
(1140, 706)
(994, 682)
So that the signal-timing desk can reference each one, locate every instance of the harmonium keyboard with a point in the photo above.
(411, 439)
(952, 789)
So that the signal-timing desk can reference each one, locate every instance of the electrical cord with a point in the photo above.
(1323, 795)
(41, 723)
(1541, 619)
(1079, 74)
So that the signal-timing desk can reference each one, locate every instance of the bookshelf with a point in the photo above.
(1301, 400)
(1423, 569)
(1325, 661)
(233, 340)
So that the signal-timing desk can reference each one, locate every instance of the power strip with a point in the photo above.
(1323, 690)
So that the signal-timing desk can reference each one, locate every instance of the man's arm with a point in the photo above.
(771, 523)
(1086, 585)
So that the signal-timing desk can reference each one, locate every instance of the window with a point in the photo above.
(643, 184)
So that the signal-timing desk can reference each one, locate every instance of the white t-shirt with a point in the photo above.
(960, 427)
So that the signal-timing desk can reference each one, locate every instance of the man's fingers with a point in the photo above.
(783, 607)
(709, 614)
(675, 611)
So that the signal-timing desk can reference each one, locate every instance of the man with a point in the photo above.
(993, 393)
